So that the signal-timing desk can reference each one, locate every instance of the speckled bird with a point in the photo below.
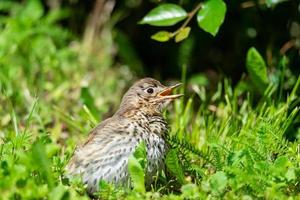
(104, 155)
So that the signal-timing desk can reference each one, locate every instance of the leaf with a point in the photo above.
(137, 174)
(262, 166)
(136, 166)
(55, 15)
(190, 191)
(211, 16)
(103, 185)
(33, 10)
(7, 5)
(199, 79)
(140, 154)
(280, 166)
(161, 36)
(183, 33)
(87, 99)
(290, 174)
(104, 189)
(58, 192)
(256, 68)
(164, 15)
(281, 162)
(173, 165)
(218, 182)
(39, 157)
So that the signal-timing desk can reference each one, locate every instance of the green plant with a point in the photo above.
(231, 143)
(210, 16)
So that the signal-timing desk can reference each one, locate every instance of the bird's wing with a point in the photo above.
(105, 156)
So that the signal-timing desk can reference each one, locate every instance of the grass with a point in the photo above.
(227, 150)
(230, 144)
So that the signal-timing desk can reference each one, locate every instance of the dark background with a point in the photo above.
(268, 29)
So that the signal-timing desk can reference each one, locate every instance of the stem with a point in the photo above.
(190, 16)
(288, 45)
(249, 4)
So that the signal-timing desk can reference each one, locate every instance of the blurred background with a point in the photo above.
(248, 23)
(88, 52)
(65, 64)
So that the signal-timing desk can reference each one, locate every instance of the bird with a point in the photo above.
(105, 153)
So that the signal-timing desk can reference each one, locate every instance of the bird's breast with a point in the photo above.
(152, 131)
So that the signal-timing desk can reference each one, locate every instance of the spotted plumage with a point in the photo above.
(104, 156)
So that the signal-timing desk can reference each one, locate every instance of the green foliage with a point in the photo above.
(140, 154)
(43, 165)
(211, 16)
(218, 182)
(164, 15)
(87, 99)
(29, 170)
(172, 163)
(257, 69)
(182, 34)
(238, 149)
(162, 36)
(109, 191)
(225, 147)
(136, 168)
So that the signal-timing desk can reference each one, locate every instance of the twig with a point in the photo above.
(249, 4)
(190, 16)
(96, 21)
(288, 45)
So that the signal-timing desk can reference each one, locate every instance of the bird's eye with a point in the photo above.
(150, 90)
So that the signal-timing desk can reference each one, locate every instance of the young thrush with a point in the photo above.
(104, 156)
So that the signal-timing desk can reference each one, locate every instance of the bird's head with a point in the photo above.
(148, 95)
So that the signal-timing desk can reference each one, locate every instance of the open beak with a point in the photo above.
(167, 93)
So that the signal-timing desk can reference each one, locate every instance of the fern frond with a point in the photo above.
(186, 147)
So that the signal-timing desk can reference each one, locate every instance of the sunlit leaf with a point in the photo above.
(164, 15)
(257, 69)
(211, 16)
(161, 36)
(183, 33)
